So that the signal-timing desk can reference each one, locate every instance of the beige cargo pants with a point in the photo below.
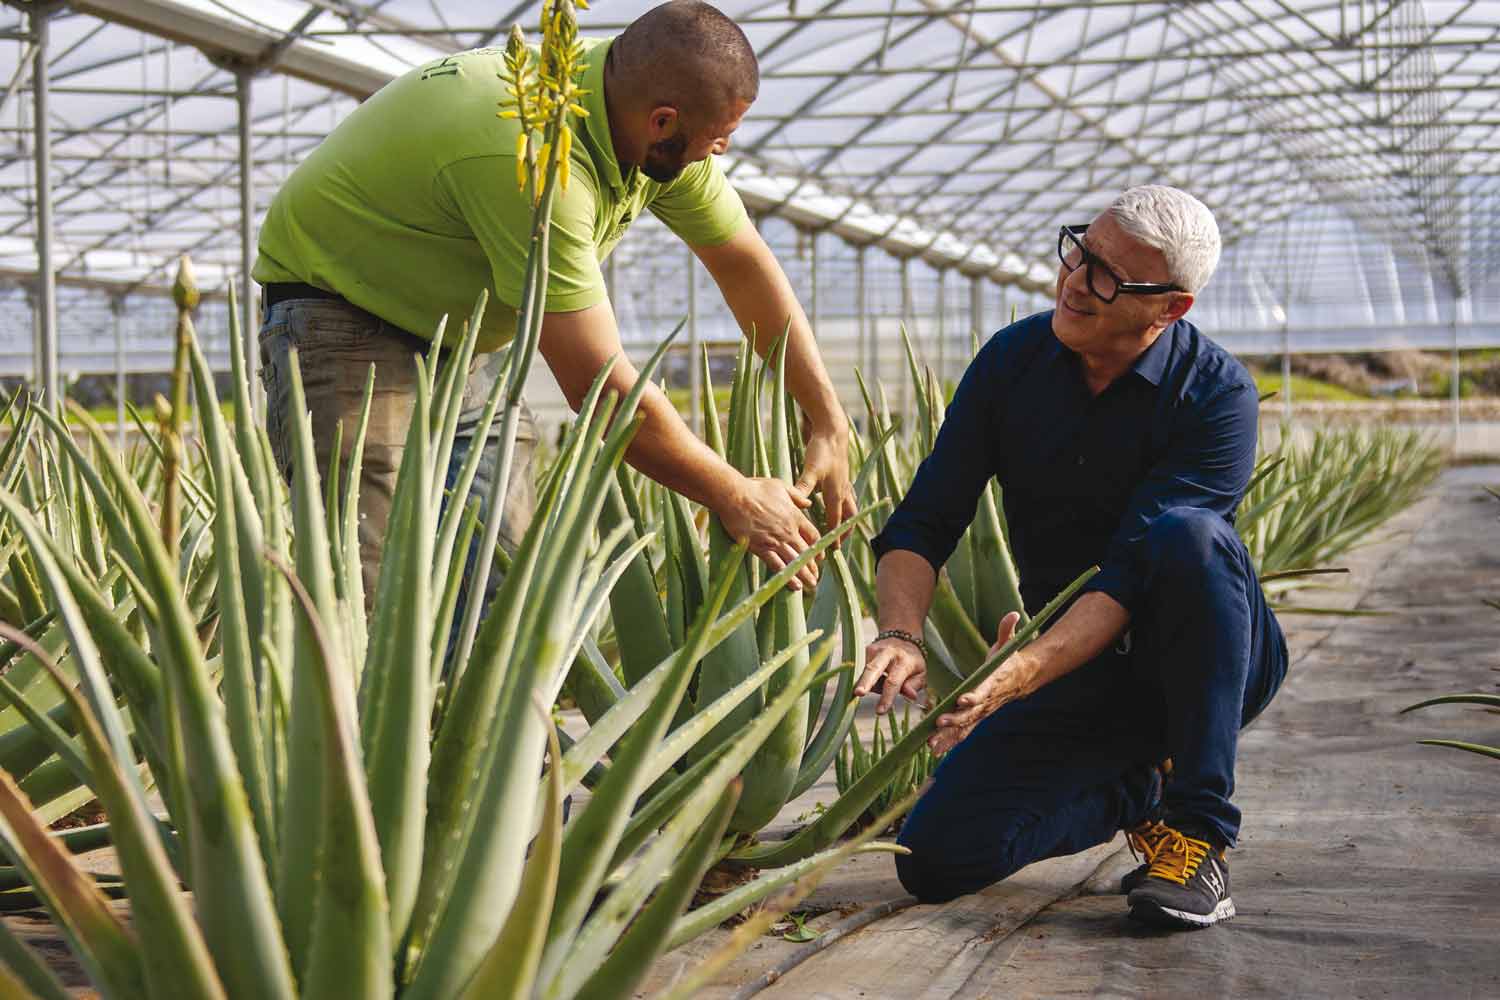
(336, 343)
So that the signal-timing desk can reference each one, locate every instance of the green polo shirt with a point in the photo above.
(410, 206)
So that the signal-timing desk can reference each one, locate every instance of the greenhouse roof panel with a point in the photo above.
(973, 122)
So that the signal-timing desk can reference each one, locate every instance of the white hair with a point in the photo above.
(1177, 224)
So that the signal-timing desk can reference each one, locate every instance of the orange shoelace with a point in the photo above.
(1145, 839)
(1178, 857)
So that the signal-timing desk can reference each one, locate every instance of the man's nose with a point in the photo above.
(1078, 280)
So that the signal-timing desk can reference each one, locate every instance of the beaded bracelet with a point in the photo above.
(896, 633)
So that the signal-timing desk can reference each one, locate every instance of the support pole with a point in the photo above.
(908, 315)
(813, 297)
(859, 310)
(46, 299)
(117, 310)
(695, 374)
(976, 306)
(1286, 374)
(872, 335)
(1461, 314)
(942, 326)
(249, 328)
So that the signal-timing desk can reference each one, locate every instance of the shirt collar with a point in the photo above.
(597, 123)
(1152, 364)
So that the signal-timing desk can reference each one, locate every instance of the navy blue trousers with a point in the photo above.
(1064, 769)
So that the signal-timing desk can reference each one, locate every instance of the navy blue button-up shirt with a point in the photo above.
(1083, 476)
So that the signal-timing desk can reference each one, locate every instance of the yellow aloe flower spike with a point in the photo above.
(564, 154)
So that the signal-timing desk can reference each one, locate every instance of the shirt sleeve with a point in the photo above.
(701, 206)
(1207, 467)
(482, 191)
(944, 493)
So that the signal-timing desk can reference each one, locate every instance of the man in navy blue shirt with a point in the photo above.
(1123, 437)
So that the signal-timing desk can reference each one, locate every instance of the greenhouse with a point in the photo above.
(966, 476)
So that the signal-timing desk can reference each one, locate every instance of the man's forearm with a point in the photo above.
(904, 584)
(1090, 626)
(665, 450)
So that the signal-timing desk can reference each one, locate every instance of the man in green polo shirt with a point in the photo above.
(411, 206)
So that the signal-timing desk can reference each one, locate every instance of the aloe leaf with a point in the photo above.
(306, 801)
(396, 689)
(106, 948)
(171, 944)
(1489, 700)
(351, 581)
(23, 975)
(51, 734)
(590, 841)
(239, 684)
(687, 736)
(1480, 749)
(634, 599)
(631, 957)
(509, 968)
(661, 805)
(447, 604)
(997, 585)
(606, 731)
(773, 769)
(449, 555)
(822, 617)
(825, 744)
(565, 969)
(592, 682)
(710, 915)
(849, 806)
(447, 402)
(589, 608)
(85, 653)
(331, 505)
(350, 950)
(924, 411)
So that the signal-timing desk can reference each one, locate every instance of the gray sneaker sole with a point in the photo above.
(1150, 912)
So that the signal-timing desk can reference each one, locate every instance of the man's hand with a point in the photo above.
(768, 515)
(901, 664)
(1010, 680)
(825, 469)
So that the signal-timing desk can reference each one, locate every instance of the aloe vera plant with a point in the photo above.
(1307, 505)
(359, 811)
(856, 759)
(350, 777)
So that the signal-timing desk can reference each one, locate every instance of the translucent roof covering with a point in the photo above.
(1350, 149)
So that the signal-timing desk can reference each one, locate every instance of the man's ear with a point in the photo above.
(663, 123)
(1178, 303)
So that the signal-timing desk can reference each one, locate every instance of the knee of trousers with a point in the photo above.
(1186, 543)
(940, 868)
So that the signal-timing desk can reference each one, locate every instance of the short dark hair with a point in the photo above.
(689, 55)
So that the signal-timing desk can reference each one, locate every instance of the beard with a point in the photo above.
(666, 159)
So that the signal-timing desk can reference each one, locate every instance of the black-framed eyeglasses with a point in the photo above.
(1104, 283)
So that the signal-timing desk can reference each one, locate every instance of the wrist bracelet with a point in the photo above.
(905, 636)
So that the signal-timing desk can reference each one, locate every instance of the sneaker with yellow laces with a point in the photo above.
(1186, 884)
